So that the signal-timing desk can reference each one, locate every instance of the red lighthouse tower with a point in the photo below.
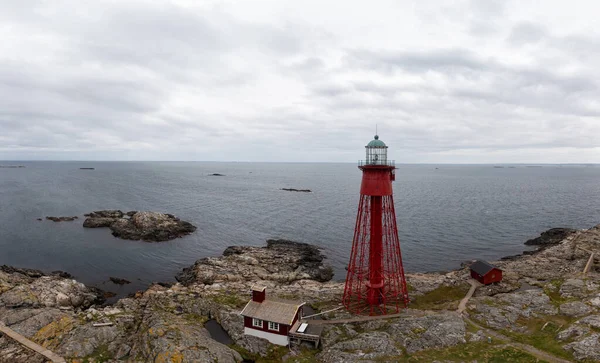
(375, 284)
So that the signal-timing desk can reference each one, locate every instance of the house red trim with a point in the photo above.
(283, 329)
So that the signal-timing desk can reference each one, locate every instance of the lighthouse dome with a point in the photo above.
(376, 142)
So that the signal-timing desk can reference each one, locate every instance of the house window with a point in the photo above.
(257, 323)
(493, 275)
(273, 326)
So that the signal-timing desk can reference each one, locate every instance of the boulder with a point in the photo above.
(591, 321)
(575, 308)
(573, 288)
(573, 332)
(587, 348)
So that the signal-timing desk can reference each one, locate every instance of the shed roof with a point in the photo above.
(277, 311)
(482, 267)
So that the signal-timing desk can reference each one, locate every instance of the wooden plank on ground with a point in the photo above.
(589, 264)
(29, 344)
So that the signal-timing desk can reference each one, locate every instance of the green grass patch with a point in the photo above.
(100, 355)
(196, 319)
(229, 299)
(292, 297)
(306, 355)
(442, 298)
(275, 354)
(552, 289)
(491, 302)
(471, 328)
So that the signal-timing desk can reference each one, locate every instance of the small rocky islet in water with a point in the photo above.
(145, 226)
(60, 219)
(119, 281)
(297, 190)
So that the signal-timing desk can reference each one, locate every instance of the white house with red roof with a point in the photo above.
(270, 319)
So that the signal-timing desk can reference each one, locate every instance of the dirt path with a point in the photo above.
(29, 344)
(463, 303)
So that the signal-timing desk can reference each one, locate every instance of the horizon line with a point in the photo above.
(296, 162)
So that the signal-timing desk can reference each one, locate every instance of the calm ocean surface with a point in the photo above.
(446, 213)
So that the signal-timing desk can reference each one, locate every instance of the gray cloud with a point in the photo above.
(422, 61)
(294, 81)
(526, 33)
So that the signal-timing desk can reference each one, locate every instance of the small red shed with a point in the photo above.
(485, 272)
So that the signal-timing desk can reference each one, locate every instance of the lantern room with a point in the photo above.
(376, 152)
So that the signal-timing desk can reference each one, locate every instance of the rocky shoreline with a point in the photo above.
(543, 302)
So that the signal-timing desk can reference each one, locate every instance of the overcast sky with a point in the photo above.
(464, 82)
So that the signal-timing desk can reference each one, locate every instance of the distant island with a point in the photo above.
(12, 166)
(297, 190)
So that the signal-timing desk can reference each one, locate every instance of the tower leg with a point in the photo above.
(375, 284)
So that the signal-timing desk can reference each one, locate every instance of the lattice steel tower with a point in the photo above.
(375, 283)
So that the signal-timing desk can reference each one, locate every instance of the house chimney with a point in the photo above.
(259, 293)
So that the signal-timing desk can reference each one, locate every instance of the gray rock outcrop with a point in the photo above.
(382, 340)
(146, 226)
(281, 260)
(587, 348)
(24, 288)
(551, 237)
(575, 308)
